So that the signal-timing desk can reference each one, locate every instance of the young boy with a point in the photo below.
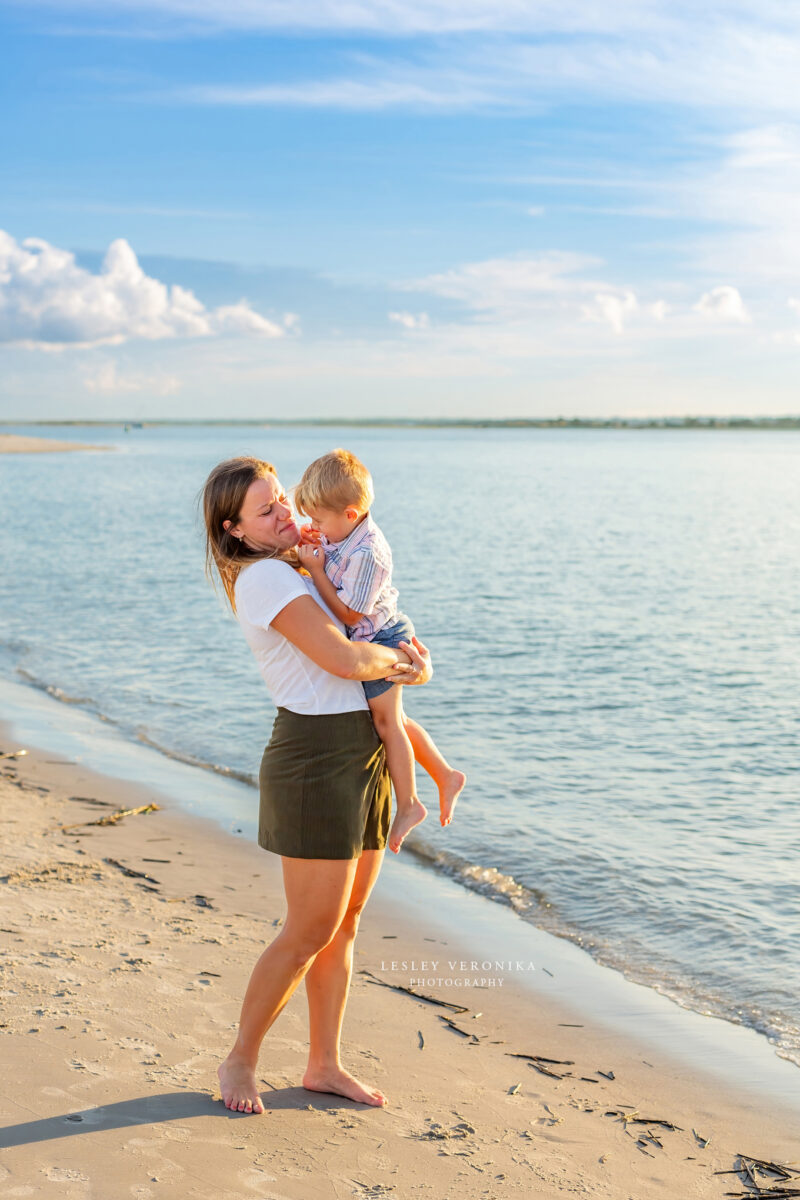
(351, 566)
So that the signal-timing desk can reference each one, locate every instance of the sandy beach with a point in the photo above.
(128, 945)
(13, 443)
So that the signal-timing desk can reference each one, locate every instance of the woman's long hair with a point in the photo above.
(222, 498)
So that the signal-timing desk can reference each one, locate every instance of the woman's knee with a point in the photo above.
(304, 942)
(350, 920)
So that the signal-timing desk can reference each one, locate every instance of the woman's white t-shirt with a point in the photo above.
(262, 590)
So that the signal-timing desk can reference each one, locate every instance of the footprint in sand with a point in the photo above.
(132, 1043)
(64, 1175)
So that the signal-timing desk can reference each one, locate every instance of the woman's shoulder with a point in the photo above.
(268, 577)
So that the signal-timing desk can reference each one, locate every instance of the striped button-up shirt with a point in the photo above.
(360, 568)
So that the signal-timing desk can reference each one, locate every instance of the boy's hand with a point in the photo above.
(311, 557)
(309, 536)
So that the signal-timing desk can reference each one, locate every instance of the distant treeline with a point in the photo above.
(465, 423)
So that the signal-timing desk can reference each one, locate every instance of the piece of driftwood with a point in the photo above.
(398, 987)
(537, 1061)
(634, 1119)
(450, 1023)
(129, 871)
(556, 1062)
(114, 817)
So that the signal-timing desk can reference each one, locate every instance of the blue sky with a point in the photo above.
(257, 208)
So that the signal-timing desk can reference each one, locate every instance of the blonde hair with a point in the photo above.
(335, 481)
(222, 499)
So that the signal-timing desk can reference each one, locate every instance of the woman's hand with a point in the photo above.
(309, 536)
(419, 670)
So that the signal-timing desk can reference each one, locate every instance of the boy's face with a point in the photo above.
(335, 526)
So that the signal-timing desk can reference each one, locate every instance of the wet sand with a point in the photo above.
(121, 994)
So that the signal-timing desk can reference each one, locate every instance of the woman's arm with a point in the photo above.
(307, 626)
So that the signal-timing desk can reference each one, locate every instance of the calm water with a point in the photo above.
(614, 620)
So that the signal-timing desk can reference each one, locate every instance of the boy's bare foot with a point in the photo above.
(342, 1083)
(405, 821)
(237, 1083)
(449, 794)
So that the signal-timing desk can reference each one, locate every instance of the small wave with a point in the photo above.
(487, 881)
(63, 697)
(58, 694)
(193, 761)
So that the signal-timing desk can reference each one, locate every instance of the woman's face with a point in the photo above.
(265, 521)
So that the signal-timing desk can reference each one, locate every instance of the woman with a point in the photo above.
(325, 792)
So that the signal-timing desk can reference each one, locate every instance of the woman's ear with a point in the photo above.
(227, 526)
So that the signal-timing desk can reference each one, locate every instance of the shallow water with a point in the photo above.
(613, 617)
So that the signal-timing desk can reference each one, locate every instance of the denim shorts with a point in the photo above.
(400, 630)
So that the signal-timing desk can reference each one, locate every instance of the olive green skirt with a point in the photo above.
(325, 788)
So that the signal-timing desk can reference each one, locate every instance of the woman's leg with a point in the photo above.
(387, 717)
(327, 986)
(318, 892)
(430, 758)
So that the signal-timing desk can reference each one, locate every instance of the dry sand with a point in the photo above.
(13, 443)
(122, 992)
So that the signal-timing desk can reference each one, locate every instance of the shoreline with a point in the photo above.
(636, 1009)
(130, 1022)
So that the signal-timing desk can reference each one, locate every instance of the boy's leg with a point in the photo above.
(387, 716)
(449, 781)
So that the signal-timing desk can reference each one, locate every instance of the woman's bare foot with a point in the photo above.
(237, 1083)
(405, 821)
(449, 794)
(342, 1083)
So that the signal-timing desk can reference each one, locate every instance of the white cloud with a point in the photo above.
(435, 16)
(723, 304)
(376, 92)
(510, 285)
(733, 60)
(535, 210)
(47, 301)
(520, 304)
(611, 308)
(509, 300)
(104, 378)
(241, 318)
(410, 320)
